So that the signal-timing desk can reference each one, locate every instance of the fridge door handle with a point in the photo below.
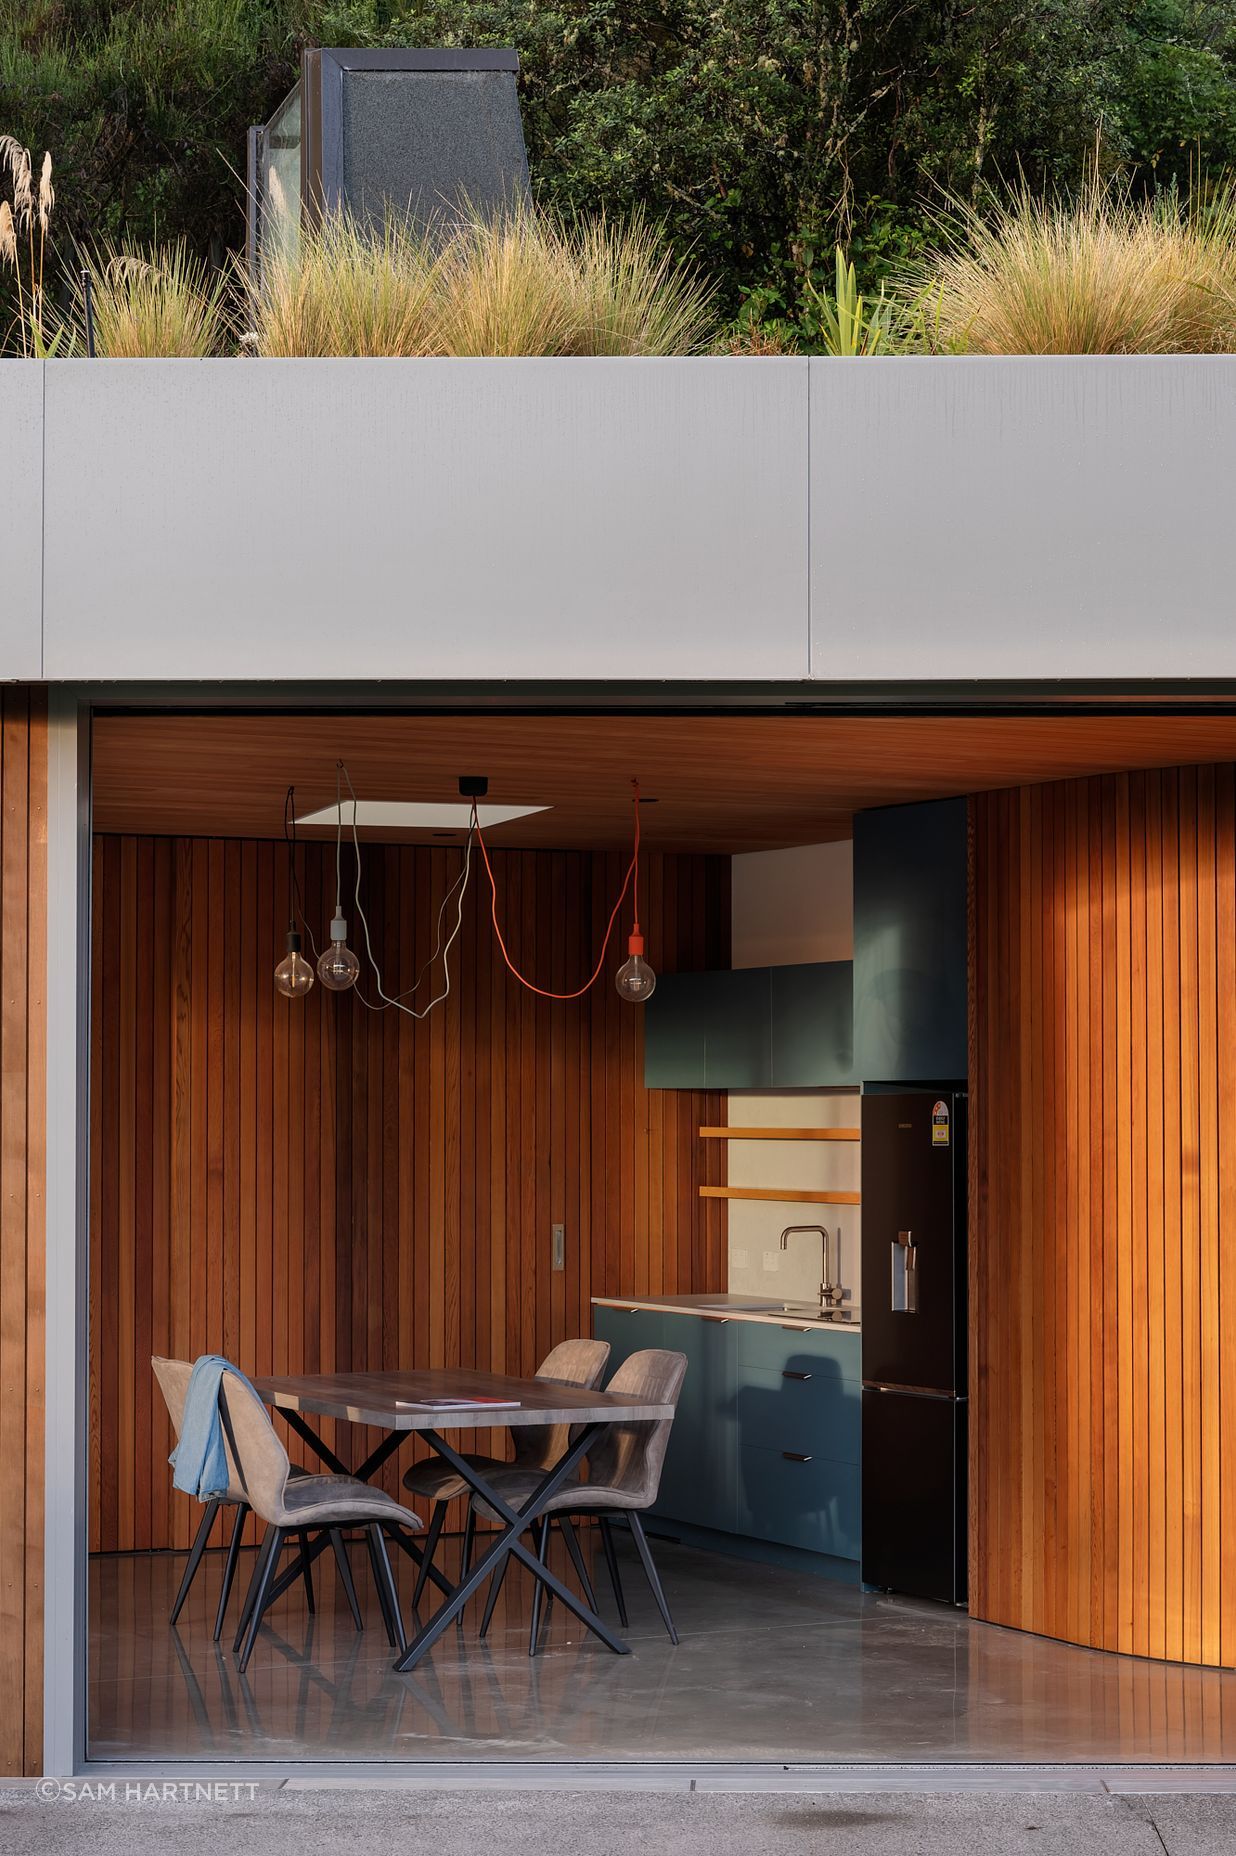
(904, 1300)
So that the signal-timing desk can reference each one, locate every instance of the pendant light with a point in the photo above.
(635, 979)
(293, 975)
(338, 966)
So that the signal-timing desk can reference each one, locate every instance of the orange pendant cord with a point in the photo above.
(632, 874)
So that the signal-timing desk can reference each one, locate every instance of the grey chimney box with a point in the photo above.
(426, 134)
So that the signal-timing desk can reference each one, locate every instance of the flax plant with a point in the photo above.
(1101, 274)
(164, 304)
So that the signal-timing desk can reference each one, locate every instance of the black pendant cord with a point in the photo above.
(296, 906)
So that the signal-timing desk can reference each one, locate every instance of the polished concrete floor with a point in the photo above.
(772, 1666)
(282, 1822)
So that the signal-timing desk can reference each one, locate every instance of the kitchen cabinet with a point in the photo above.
(910, 979)
(765, 1444)
(751, 1028)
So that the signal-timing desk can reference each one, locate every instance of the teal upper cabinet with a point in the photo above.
(910, 943)
(812, 1010)
(751, 1028)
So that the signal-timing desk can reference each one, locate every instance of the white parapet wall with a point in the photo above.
(698, 520)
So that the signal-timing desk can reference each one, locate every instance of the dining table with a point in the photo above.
(406, 1404)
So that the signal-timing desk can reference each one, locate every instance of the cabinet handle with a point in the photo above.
(793, 1456)
(719, 1321)
(787, 1374)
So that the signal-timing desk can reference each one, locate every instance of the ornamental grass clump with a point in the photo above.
(1101, 274)
(521, 282)
(347, 289)
(508, 285)
(634, 295)
(157, 305)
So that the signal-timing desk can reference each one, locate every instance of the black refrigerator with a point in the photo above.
(914, 1343)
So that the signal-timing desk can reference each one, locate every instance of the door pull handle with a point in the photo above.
(795, 1456)
(787, 1374)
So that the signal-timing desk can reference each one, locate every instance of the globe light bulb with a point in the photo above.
(635, 979)
(338, 967)
(293, 975)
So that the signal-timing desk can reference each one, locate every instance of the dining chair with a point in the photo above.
(299, 1506)
(173, 1378)
(579, 1363)
(624, 1478)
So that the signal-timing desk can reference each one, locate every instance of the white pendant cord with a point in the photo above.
(458, 889)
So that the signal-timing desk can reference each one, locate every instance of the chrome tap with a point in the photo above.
(830, 1291)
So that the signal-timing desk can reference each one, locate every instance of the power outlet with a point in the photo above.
(559, 1231)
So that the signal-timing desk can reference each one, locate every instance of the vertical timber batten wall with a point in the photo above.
(311, 1186)
(23, 1124)
(1103, 1243)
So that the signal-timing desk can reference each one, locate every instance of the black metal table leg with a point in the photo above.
(509, 1541)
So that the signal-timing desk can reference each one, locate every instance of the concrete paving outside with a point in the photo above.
(277, 1821)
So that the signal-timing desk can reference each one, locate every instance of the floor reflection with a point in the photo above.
(772, 1665)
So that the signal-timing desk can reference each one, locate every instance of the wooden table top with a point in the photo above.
(370, 1398)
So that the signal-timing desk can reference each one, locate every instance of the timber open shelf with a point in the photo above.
(781, 1194)
(780, 1134)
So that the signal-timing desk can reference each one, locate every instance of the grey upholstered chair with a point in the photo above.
(302, 1505)
(173, 1377)
(572, 1363)
(624, 1476)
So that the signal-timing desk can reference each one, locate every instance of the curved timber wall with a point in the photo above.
(1103, 1252)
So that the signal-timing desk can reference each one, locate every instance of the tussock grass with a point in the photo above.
(1102, 274)
(508, 286)
(521, 283)
(156, 305)
(634, 295)
(348, 290)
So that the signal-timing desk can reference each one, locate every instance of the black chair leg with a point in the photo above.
(542, 1553)
(259, 1567)
(195, 1555)
(382, 1565)
(611, 1561)
(307, 1568)
(260, 1597)
(465, 1557)
(229, 1565)
(383, 1601)
(645, 1553)
(428, 1550)
(577, 1559)
(495, 1586)
(345, 1575)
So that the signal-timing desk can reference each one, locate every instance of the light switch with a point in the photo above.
(772, 1262)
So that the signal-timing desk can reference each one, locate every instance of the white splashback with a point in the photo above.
(757, 1265)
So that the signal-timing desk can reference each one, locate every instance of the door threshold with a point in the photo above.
(666, 1775)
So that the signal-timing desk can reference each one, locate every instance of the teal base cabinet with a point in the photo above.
(764, 1454)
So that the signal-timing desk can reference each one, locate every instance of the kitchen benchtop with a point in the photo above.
(735, 1308)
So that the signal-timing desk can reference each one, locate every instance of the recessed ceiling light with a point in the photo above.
(417, 815)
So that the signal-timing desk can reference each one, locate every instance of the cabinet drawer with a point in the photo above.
(820, 1416)
(812, 1505)
(761, 1344)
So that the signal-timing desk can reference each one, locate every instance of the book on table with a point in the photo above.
(457, 1404)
